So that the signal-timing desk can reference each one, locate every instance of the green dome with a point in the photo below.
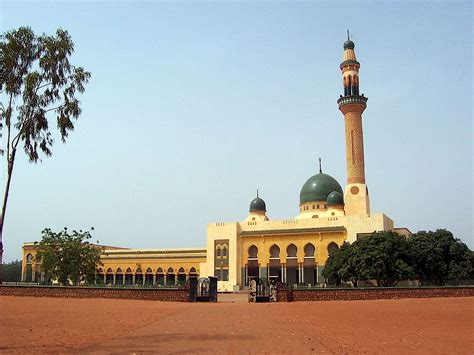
(349, 44)
(258, 204)
(335, 198)
(318, 187)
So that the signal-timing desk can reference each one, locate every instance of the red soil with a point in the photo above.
(53, 325)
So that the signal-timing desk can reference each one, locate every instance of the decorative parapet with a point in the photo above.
(294, 231)
(352, 99)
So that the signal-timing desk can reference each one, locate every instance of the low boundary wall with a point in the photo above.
(149, 294)
(374, 293)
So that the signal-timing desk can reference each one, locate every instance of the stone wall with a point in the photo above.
(376, 293)
(165, 294)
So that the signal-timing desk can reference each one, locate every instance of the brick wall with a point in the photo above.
(171, 295)
(378, 293)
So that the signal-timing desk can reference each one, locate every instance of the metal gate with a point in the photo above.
(203, 290)
(262, 290)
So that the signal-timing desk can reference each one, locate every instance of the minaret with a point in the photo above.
(356, 195)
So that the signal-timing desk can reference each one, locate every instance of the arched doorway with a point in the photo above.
(252, 263)
(118, 277)
(29, 268)
(99, 277)
(310, 270)
(160, 277)
(274, 264)
(181, 276)
(109, 277)
(193, 272)
(332, 246)
(128, 277)
(292, 269)
(170, 277)
(139, 277)
(149, 277)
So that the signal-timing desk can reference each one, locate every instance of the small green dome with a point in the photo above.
(258, 204)
(335, 198)
(318, 187)
(349, 44)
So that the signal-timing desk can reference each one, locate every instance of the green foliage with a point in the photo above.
(382, 257)
(341, 265)
(386, 258)
(38, 78)
(438, 257)
(12, 271)
(68, 257)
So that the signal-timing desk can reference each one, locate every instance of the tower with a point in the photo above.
(352, 105)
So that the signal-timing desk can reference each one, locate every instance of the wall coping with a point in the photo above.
(147, 289)
(373, 288)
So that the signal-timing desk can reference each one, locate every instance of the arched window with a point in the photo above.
(149, 270)
(218, 251)
(291, 251)
(170, 270)
(332, 246)
(109, 270)
(138, 271)
(119, 271)
(274, 251)
(192, 270)
(309, 250)
(253, 252)
(29, 259)
(159, 271)
(224, 251)
(181, 270)
(129, 271)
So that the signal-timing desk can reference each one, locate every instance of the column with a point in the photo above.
(133, 279)
(164, 279)
(113, 283)
(154, 279)
(246, 273)
(105, 278)
(176, 279)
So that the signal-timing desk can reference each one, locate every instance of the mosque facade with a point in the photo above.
(293, 250)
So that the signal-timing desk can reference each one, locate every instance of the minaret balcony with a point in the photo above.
(352, 99)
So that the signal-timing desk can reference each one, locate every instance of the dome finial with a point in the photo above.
(348, 38)
(257, 192)
(320, 169)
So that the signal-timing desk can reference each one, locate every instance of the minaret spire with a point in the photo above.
(257, 192)
(320, 169)
(352, 105)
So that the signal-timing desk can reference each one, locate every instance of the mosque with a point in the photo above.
(293, 250)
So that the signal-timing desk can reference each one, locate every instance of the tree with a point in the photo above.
(382, 257)
(438, 257)
(37, 81)
(341, 265)
(68, 257)
(12, 271)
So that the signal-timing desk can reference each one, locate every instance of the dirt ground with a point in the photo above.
(54, 325)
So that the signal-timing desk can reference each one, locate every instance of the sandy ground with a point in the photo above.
(53, 325)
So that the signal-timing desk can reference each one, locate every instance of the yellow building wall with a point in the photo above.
(264, 243)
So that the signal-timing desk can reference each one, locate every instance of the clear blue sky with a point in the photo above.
(193, 106)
